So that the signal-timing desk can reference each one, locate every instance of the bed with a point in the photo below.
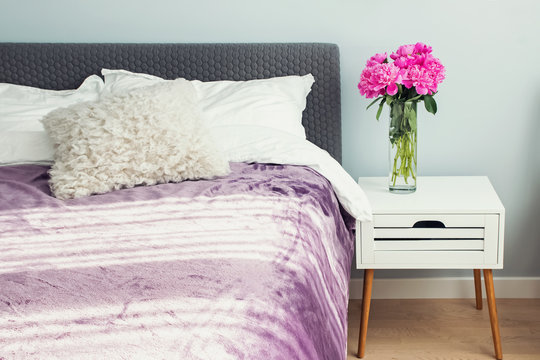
(253, 264)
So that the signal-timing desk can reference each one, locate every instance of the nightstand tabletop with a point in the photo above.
(434, 194)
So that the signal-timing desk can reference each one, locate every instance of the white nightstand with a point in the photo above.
(448, 223)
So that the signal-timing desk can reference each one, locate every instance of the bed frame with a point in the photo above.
(60, 66)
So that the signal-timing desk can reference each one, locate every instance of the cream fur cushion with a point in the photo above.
(146, 136)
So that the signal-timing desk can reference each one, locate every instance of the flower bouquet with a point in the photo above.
(412, 76)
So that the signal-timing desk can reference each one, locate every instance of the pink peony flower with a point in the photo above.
(425, 78)
(418, 77)
(412, 54)
(365, 86)
(379, 79)
(436, 72)
(420, 48)
(377, 59)
(403, 50)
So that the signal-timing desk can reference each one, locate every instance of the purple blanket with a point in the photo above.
(251, 266)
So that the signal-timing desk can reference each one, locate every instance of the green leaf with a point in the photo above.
(397, 110)
(405, 126)
(380, 109)
(430, 104)
(373, 102)
(389, 99)
(412, 119)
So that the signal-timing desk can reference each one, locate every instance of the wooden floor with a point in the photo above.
(445, 329)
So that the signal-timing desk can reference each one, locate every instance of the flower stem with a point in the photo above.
(406, 156)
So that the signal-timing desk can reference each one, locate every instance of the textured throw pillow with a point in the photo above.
(146, 136)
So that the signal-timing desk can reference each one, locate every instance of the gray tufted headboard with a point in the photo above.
(64, 66)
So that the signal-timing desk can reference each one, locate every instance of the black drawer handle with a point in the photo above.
(429, 224)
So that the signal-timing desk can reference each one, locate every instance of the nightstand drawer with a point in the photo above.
(428, 233)
(429, 259)
(410, 220)
(430, 240)
(437, 245)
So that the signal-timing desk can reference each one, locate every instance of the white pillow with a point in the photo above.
(275, 103)
(146, 136)
(22, 137)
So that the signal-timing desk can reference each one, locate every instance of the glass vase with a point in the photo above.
(402, 154)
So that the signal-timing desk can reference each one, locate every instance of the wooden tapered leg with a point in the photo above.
(490, 294)
(478, 288)
(366, 302)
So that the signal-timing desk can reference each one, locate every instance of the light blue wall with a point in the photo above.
(488, 121)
